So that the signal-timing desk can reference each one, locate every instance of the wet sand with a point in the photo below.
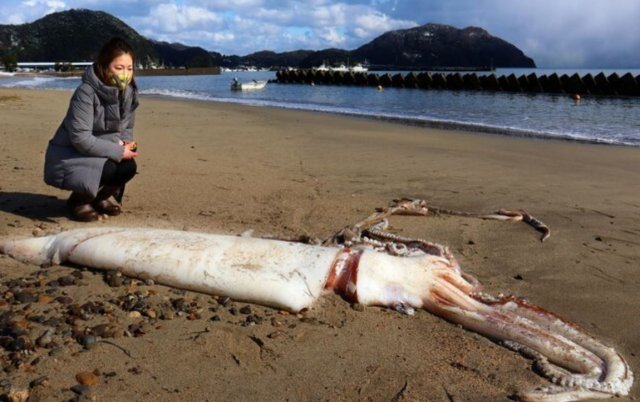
(223, 168)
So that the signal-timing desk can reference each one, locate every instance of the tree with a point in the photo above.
(10, 62)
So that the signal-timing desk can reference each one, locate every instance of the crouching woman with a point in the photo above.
(92, 152)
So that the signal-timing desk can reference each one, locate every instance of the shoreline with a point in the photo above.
(445, 125)
(433, 123)
(228, 168)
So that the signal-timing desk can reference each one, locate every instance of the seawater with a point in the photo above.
(607, 120)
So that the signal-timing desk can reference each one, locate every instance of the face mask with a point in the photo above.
(121, 80)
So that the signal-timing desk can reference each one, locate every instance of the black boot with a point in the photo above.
(79, 205)
(102, 203)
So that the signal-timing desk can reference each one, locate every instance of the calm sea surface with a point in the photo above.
(604, 120)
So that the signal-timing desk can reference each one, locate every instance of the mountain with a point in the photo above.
(177, 54)
(78, 34)
(435, 45)
(332, 55)
(423, 47)
(266, 59)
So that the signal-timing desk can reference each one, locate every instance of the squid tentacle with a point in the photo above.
(615, 371)
(418, 207)
(581, 366)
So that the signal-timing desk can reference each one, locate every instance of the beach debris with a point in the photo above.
(87, 341)
(17, 394)
(363, 262)
(46, 338)
(87, 378)
(81, 389)
(41, 381)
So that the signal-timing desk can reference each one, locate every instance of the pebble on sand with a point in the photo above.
(17, 395)
(87, 378)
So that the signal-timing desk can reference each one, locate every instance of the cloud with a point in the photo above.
(331, 36)
(570, 33)
(246, 26)
(28, 10)
(49, 5)
(331, 24)
(173, 18)
(376, 23)
(229, 5)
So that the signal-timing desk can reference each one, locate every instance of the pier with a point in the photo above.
(588, 84)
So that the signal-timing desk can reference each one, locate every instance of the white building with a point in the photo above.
(50, 65)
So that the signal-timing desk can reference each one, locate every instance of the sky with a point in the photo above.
(555, 33)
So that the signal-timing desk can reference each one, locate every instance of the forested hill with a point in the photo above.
(76, 35)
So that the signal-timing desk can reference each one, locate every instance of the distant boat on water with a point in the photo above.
(321, 67)
(357, 68)
(236, 85)
(340, 69)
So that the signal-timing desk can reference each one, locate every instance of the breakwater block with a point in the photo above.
(614, 83)
(471, 82)
(349, 79)
(503, 83)
(625, 85)
(490, 82)
(373, 80)
(439, 81)
(590, 85)
(361, 79)
(397, 81)
(554, 84)
(523, 82)
(603, 84)
(411, 81)
(513, 84)
(385, 80)
(425, 81)
(455, 81)
(534, 83)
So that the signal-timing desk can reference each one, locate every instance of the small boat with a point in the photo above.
(358, 68)
(340, 69)
(236, 85)
(322, 67)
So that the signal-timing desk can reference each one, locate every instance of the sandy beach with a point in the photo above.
(222, 168)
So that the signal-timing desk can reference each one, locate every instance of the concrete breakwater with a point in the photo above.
(599, 84)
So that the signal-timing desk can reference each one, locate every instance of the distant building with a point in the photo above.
(50, 65)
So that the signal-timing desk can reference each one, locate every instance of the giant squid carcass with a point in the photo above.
(364, 264)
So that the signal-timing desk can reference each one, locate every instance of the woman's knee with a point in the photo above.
(115, 174)
(109, 172)
(127, 169)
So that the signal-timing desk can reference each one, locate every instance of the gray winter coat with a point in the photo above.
(89, 135)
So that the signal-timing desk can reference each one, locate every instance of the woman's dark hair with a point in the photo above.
(115, 47)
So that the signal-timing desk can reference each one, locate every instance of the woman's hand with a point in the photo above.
(129, 150)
